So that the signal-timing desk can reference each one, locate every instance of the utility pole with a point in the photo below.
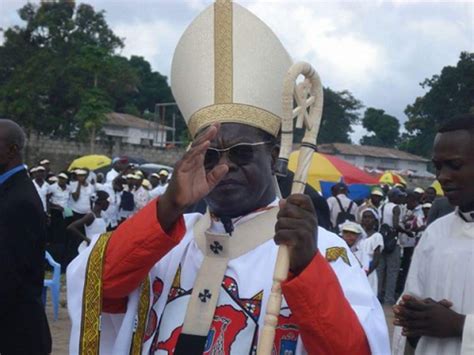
(160, 119)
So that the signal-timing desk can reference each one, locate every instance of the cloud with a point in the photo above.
(152, 40)
(378, 50)
(341, 57)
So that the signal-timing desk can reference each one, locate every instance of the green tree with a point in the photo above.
(59, 60)
(384, 129)
(340, 111)
(91, 114)
(449, 93)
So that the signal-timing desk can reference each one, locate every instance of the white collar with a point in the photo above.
(465, 216)
(218, 227)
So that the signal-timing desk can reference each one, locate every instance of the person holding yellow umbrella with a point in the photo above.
(91, 162)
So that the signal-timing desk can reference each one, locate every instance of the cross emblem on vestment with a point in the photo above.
(204, 295)
(216, 247)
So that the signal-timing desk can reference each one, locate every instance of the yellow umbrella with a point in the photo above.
(437, 186)
(91, 162)
(392, 178)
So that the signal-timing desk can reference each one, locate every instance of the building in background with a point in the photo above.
(135, 130)
(378, 159)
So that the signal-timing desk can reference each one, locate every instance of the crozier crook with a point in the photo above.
(308, 96)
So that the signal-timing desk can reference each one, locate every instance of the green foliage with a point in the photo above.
(340, 111)
(449, 94)
(62, 65)
(93, 107)
(384, 129)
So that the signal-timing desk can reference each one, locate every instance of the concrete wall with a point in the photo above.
(133, 135)
(61, 152)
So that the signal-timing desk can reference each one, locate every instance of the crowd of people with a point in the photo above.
(168, 281)
(384, 230)
(81, 204)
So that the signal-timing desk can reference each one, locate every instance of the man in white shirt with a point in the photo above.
(111, 214)
(58, 196)
(80, 203)
(389, 266)
(41, 184)
(412, 224)
(436, 311)
(374, 201)
(162, 184)
(140, 194)
(341, 208)
(118, 166)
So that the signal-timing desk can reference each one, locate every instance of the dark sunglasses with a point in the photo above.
(239, 154)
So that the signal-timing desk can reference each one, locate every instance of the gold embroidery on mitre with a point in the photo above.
(334, 253)
(143, 305)
(89, 340)
(223, 56)
(234, 113)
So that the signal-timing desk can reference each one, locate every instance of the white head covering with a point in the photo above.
(229, 67)
(349, 226)
(371, 210)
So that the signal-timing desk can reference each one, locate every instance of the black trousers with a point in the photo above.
(404, 267)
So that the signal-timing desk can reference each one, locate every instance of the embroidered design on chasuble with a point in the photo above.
(334, 253)
(234, 322)
(89, 343)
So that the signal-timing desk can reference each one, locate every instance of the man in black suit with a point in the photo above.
(23, 325)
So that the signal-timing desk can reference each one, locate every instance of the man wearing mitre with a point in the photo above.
(171, 283)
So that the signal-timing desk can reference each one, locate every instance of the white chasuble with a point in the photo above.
(241, 300)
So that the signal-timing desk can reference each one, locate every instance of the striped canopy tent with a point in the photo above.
(391, 178)
(328, 168)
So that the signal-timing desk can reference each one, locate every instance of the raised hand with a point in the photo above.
(297, 227)
(190, 181)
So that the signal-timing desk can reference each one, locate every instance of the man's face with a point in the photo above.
(412, 201)
(248, 186)
(62, 182)
(40, 175)
(376, 199)
(430, 194)
(81, 178)
(453, 159)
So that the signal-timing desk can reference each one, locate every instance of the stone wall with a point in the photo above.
(61, 152)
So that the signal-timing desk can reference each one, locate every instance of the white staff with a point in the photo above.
(309, 100)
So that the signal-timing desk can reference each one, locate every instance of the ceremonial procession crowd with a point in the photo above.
(188, 265)
(81, 204)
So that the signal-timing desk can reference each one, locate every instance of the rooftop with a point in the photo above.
(368, 151)
(126, 120)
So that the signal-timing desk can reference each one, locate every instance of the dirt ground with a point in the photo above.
(61, 328)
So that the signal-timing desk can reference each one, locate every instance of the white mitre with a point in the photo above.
(229, 67)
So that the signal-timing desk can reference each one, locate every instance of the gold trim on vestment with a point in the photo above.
(142, 312)
(92, 298)
(223, 56)
(234, 113)
(89, 342)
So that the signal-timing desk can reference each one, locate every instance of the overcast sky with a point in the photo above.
(378, 50)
